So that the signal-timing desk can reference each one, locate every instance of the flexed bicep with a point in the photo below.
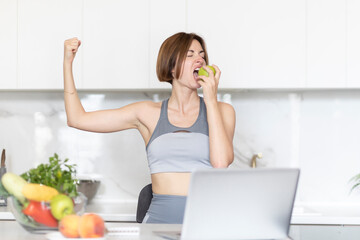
(111, 120)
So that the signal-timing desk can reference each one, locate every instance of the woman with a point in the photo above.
(181, 134)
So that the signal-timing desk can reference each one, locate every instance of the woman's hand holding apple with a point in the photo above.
(209, 82)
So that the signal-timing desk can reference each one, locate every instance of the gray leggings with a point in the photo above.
(166, 209)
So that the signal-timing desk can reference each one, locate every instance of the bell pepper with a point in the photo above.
(38, 192)
(40, 213)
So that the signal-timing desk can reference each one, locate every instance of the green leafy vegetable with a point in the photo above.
(19, 215)
(3, 191)
(57, 174)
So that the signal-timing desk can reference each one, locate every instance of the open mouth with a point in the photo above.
(196, 72)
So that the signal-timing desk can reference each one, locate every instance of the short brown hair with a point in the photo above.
(172, 54)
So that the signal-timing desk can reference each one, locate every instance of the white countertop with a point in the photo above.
(5, 214)
(126, 212)
(114, 211)
(342, 213)
(11, 230)
(109, 211)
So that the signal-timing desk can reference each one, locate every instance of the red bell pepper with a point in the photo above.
(40, 213)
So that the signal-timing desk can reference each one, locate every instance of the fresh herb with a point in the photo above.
(57, 174)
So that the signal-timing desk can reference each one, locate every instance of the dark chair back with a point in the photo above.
(144, 201)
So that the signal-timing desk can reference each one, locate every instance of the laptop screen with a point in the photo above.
(240, 204)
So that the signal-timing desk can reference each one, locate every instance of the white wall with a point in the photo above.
(317, 131)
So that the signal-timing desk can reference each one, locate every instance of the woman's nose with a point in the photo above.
(199, 59)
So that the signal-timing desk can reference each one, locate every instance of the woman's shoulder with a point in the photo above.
(146, 109)
(148, 105)
(228, 115)
(148, 113)
(226, 107)
(227, 111)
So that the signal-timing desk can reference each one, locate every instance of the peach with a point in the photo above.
(69, 226)
(91, 226)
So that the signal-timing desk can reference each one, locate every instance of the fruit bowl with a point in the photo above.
(29, 224)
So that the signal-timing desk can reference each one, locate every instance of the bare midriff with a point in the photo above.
(171, 183)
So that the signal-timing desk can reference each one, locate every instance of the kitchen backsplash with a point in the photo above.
(318, 131)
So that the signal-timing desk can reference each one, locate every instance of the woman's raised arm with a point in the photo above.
(97, 121)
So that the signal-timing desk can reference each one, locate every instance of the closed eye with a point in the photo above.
(191, 52)
(203, 57)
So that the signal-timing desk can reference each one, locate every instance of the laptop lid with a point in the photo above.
(240, 204)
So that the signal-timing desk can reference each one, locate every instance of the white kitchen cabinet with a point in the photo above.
(326, 43)
(353, 43)
(116, 44)
(166, 18)
(43, 25)
(8, 44)
(256, 44)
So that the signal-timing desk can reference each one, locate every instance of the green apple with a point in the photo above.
(203, 72)
(61, 205)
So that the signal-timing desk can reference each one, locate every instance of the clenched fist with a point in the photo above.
(70, 48)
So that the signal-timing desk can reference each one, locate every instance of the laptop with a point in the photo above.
(238, 204)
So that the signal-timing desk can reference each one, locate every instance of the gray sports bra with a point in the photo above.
(176, 149)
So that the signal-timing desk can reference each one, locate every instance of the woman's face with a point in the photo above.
(190, 67)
